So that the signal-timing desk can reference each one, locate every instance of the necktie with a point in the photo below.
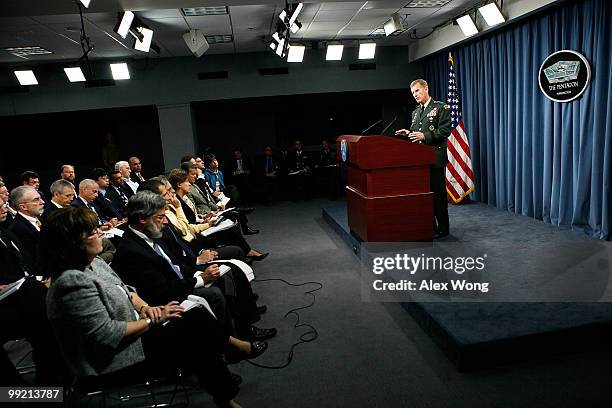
(268, 164)
(161, 253)
(38, 223)
(181, 243)
(140, 177)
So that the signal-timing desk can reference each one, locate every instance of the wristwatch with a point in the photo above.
(149, 321)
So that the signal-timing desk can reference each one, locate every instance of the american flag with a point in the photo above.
(459, 175)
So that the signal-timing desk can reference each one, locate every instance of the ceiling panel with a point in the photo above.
(211, 24)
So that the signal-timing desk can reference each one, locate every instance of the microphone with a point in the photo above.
(370, 127)
(389, 125)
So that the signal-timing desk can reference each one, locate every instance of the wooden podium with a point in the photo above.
(387, 194)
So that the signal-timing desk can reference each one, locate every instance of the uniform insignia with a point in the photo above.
(445, 106)
(431, 128)
(433, 112)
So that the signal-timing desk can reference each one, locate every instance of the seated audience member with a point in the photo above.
(10, 214)
(26, 225)
(136, 168)
(267, 177)
(104, 203)
(202, 201)
(128, 186)
(31, 178)
(215, 182)
(115, 192)
(240, 176)
(200, 166)
(159, 273)
(67, 173)
(190, 232)
(327, 170)
(62, 194)
(23, 314)
(88, 192)
(299, 173)
(106, 330)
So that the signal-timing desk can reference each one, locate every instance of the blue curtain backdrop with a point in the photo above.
(532, 156)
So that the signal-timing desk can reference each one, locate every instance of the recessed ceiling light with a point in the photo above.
(85, 2)
(26, 77)
(296, 53)
(74, 74)
(334, 52)
(120, 71)
(367, 50)
(204, 11)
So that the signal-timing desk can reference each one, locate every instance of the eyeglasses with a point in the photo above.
(160, 217)
(34, 200)
(97, 233)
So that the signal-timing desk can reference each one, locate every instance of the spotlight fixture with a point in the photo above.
(74, 74)
(295, 27)
(120, 71)
(393, 25)
(296, 53)
(85, 3)
(367, 50)
(26, 77)
(125, 22)
(334, 52)
(491, 14)
(467, 25)
(143, 44)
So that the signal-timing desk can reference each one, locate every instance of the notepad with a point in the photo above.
(11, 288)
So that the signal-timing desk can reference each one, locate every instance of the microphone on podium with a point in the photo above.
(370, 127)
(389, 125)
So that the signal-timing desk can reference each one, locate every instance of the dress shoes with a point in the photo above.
(259, 257)
(250, 231)
(262, 309)
(256, 334)
(257, 349)
(439, 235)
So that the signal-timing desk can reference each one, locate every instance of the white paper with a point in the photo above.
(223, 225)
(113, 232)
(223, 269)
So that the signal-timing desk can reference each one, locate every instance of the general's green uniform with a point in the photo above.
(435, 123)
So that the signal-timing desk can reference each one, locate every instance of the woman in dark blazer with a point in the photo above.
(99, 321)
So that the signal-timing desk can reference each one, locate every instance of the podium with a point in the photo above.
(387, 194)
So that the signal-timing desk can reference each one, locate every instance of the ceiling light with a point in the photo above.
(334, 52)
(491, 14)
(367, 50)
(74, 74)
(295, 14)
(204, 11)
(219, 39)
(120, 71)
(145, 44)
(26, 77)
(467, 25)
(394, 24)
(295, 27)
(124, 24)
(296, 53)
(280, 49)
(85, 3)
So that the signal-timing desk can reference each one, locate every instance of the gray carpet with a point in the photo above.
(371, 354)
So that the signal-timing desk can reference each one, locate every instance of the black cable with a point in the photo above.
(308, 336)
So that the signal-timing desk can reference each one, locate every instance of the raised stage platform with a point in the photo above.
(479, 335)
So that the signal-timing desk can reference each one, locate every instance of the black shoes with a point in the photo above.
(438, 235)
(259, 257)
(257, 349)
(262, 309)
(250, 231)
(256, 334)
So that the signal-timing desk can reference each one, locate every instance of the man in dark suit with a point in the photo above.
(88, 192)
(31, 178)
(115, 192)
(4, 195)
(431, 124)
(136, 168)
(26, 225)
(128, 186)
(240, 176)
(62, 194)
(144, 261)
(23, 313)
(266, 171)
(104, 203)
(299, 172)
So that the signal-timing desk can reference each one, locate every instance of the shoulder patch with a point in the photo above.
(445, 106)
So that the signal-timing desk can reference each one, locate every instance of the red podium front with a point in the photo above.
(387, 194)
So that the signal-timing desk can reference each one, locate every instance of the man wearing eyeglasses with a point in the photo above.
(62, 194)
(26, 225)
